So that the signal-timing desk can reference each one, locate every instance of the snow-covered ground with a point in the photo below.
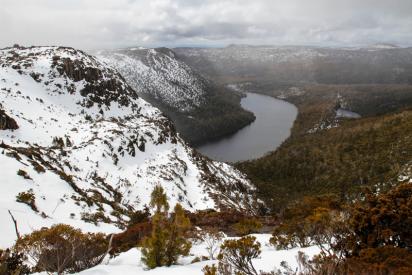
(342, 113)
(158, 73)
(114, 148)
(130, 262)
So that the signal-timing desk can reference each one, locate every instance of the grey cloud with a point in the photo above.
(116, 23)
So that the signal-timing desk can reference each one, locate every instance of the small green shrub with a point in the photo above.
(247, 226)
(168, 239)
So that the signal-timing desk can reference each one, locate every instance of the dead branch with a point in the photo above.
(15, 225)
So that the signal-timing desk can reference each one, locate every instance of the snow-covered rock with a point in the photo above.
(200, 109)
(160, 75)
(88, 150)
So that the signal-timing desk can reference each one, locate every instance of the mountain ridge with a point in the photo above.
(89, 150)
(201, 110)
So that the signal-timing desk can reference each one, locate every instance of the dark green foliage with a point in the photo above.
(177, 240)
(342, 160)
(168, 239)
(158, 200)
(154, 246)
(247, 226)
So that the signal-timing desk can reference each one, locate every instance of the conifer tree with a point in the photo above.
(158, 200)
(167, 240)
(153, 251)
(178, 244)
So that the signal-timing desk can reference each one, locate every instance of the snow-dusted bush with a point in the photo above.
(62, 248)
(213, 239)
(12, 263)
(236, 257)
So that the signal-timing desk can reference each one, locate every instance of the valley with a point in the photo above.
(187, 137)
(326, 153)
(274, 119)
(287, 158)
(200, 109)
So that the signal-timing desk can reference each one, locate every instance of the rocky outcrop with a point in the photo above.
(99, 88)
(6, 122)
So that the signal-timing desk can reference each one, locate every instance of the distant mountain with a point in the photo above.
(79, 146)
(270, 67)
(201, 110)
(383, 46)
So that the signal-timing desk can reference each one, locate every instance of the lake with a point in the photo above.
(274, 119)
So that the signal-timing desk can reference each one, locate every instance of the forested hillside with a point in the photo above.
(342, 160)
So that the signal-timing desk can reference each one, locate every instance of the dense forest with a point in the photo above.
(341, 160)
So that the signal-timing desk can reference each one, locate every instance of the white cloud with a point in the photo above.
(116, 23)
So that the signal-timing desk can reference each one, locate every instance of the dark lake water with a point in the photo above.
(274, 119)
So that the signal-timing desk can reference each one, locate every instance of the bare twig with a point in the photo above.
(15, 225)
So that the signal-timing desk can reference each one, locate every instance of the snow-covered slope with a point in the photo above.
(269, 260)
(201, 110)
(88, 151)
(159, 74)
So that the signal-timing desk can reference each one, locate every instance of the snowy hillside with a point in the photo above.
(201, 110)
(159, 74)
(129, 262)
(78, 146)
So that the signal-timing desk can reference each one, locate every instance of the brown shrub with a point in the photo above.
(225, 221)
(382, 260)
(62, 248)
(235, 257)
(28, 198)
(12, 263)
(6, 122)
(23, 174)
(314, 220)
(133, 235)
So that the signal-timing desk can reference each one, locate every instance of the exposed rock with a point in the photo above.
(98, 163)
(6, 122)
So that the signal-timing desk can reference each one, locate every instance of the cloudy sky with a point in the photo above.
(117, 23)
